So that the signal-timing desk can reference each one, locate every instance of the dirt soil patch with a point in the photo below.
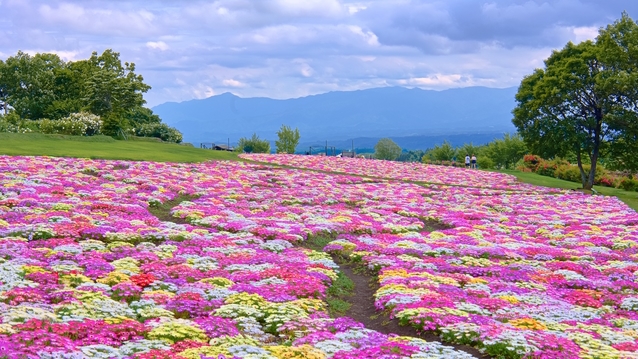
(364, 311)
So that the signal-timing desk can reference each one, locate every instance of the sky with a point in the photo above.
(292, 48)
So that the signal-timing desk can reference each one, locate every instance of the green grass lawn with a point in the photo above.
(37, 144)
(630, 198)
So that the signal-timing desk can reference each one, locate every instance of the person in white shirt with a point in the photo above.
(473, 161)
(467, 161)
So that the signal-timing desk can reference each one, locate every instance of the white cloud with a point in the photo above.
(158, 45)
(435, 80)
(583, 33)
(233, 83)
(200, 91)
(290, 48)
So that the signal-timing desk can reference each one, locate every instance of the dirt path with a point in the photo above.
(365, 286)
(364, 311)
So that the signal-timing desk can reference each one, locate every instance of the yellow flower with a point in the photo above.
(528, 323)
(302, 352)
(113, 278)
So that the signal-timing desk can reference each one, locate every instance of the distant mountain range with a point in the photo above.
(414, 118)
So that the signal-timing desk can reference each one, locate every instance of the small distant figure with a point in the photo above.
(473, 161)
(467, 161)
(340, 155)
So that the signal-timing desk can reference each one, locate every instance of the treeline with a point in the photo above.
(99, 95)
(501, 153)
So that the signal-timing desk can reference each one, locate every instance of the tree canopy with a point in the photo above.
(253, 145)
(585, 101)
(287, 139)
(43, 86)
(386, 149)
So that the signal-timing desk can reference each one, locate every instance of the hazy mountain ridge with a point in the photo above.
(342, 115)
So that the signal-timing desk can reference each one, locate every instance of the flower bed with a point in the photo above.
(417, 172)
(87, 271)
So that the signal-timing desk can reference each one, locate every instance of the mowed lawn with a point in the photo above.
(629, 197)
(104, 147)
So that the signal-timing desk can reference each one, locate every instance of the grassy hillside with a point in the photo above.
(630, 198)
(36, 144)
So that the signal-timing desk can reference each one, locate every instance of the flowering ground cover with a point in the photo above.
(516, 273)
(416, 172)
(87, 272)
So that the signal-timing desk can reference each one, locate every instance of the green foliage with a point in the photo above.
(12, 123)
(253, 145)
(469, 149)
(141, 115)
(386, 149)
(287, 139)
(159, 130)
(445, 152)
(44, 87)
(116, 126)
(411, 156)
(628, 184)
(27, 83)
(505, 152)
(485, 163)
(583, 101)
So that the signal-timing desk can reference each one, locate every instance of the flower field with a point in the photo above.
(86, 271)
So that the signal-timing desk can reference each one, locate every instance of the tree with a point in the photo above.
(27, 83)
(445, 152)
(113, 88)
(505, 152)
(386, 149)
(469, 149)
(253, 145)
(584, 101)
(287, 140)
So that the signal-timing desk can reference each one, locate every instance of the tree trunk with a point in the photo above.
(583, 175)
(593, 156)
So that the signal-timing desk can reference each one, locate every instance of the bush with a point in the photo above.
(548, 168)
(485, 163)
(159, 130)
(569, 173)
(12, 122)
(532, 162)
(76, 124)
(628, 184)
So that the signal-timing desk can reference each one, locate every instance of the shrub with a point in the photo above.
(159, 130)
(532, 162)
(628, 184)
(76, 124)
(569, 173)
(548, 168)
(12, 122)
(485, 163)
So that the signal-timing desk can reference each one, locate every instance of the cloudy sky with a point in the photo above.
(290, 48)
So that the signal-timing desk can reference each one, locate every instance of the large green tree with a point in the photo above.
(505, 152)
(584, 101)
(445, 152)
(287, 139)
(27, 83)
(386, 149)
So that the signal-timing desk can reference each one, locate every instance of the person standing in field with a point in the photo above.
(473, 161)
(467, 161)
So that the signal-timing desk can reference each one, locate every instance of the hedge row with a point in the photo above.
(562, 169)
